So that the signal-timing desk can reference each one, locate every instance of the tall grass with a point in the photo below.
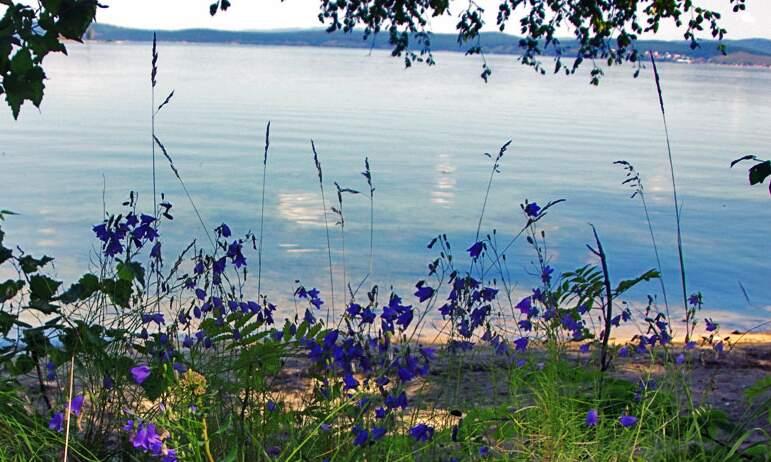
(681, 259)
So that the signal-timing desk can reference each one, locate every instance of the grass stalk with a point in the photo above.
(262, 209)
(326, 227)
(680, 255)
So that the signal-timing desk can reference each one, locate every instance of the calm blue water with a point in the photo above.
(424, 131)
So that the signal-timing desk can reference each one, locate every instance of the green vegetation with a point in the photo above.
(158, 357)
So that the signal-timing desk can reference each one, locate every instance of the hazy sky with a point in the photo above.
(274, 14)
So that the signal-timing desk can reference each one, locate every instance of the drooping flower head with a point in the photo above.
(77, 404)
(532, 209)
(476, 249)
(592, 417)
(140, 373)
(422, 432)
(57, 422)
(627, 421)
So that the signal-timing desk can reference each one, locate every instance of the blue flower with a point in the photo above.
(546, 274)
(140, 373)
(147, 438)
(378, 433)
(680, 359)
(350, 382)
(476, 249)
(428, 353)
(129, 425)
(368, 316)
(592, 417)
(392, 402)
(77, 404)
(584, 348)
(353, 310)
(488, 294)
(155, 252)
(235, 254)
(405, 318)
(532, 209)
(484, 451)
(223, 230)
(521, 343)
(50, 371)
(627, 421)
(424, 293)
(525, 305)
(179, 367)
(57, 422)
(422, 432)
(170, 456)
(154, 317)
(711, 326)
(361, 438)
(525, 325)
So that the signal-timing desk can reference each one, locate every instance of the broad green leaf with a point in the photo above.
(21, 63)
(23, 365)
(42, 287)
(9, 289)
(32, 265)
(119, 291)
(759, 172)
(81, 290)
(6, 322)
(131, 271)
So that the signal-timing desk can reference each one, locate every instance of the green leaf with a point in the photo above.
(627, 284)
(9, 289)
(759, 172)
(43, 306)
(52, 5)
(31, 265)
(758, 388)
(157, 383)
(23, 365)
(131, 271)
(21, 63)
(74, 18)
(81, 290)
(42, 287)
(6, 322)
(36, 340)
(119, 291)
(5, 254)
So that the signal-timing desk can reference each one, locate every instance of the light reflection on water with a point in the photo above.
(443, 193)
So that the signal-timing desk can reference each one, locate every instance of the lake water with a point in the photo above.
(424, 131)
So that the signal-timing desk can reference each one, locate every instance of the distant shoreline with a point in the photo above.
(750, 53)
(515, 55)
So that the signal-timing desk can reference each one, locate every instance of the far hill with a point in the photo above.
(741, 52)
